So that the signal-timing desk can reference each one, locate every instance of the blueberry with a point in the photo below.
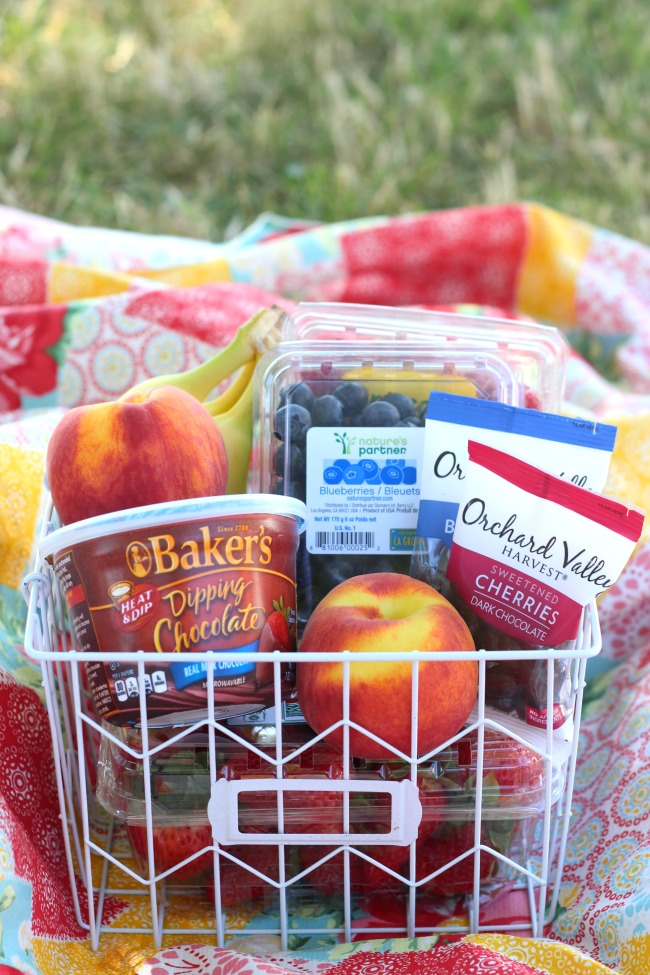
(353, 397)
(370, 467)
(402, 403)
(327, 411)
(292, 423)
(292, 458)
(334, 570)
(410, 421)
(298, 393)
(290, 489)
(354, 474)
(379, 414)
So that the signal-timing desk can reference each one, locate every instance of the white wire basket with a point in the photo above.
(102, 866)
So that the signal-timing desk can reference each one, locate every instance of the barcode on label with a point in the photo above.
(343, 540)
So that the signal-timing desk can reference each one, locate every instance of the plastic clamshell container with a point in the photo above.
(536, 354)
(209, 574)
(340, 425)
(514, 792)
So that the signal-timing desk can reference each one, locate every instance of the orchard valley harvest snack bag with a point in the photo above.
(575, 449)
(531, 550)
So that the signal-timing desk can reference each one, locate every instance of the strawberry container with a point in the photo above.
(304, 784)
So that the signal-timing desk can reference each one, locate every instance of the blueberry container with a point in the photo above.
(340, 425)
(536, 354)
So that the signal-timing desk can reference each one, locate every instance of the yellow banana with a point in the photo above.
(236, 388)
(419, 386)
(232, 410)
(236, 426)
(257, 335)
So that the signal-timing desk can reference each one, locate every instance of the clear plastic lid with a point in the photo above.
(537, 354)
(410, 369)
(514, 778)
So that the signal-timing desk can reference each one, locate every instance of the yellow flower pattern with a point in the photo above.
(21, 477)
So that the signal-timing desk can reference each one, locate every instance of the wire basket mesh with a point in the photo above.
(325, 839)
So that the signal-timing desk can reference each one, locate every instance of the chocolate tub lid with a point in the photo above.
(171, 513)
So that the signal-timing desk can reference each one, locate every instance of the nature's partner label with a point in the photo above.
(208, 585)
(363, 489)
(530, 550)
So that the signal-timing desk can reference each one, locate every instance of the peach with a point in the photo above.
(157, 445)
(377, 613)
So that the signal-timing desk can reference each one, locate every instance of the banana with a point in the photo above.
(236, 388)
(257, 335)
(236, 426)
(232, 410)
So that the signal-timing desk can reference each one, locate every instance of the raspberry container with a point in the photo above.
(340, 425)
(536, 354)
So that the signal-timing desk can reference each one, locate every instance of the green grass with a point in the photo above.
(193, 117)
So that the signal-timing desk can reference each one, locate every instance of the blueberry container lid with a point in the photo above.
(410, 369)
(537, 353)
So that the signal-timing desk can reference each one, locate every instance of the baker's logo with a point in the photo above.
(230, 550)
(138, 559)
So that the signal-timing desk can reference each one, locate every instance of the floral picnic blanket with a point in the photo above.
(87, 312)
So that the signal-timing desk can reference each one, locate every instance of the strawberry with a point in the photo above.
(171, 845)
(275, 635)
(328, 878)
(434, 798)
(237, 884)
(446, 846)
(512, 773)
(396, 858)
(532, 400)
